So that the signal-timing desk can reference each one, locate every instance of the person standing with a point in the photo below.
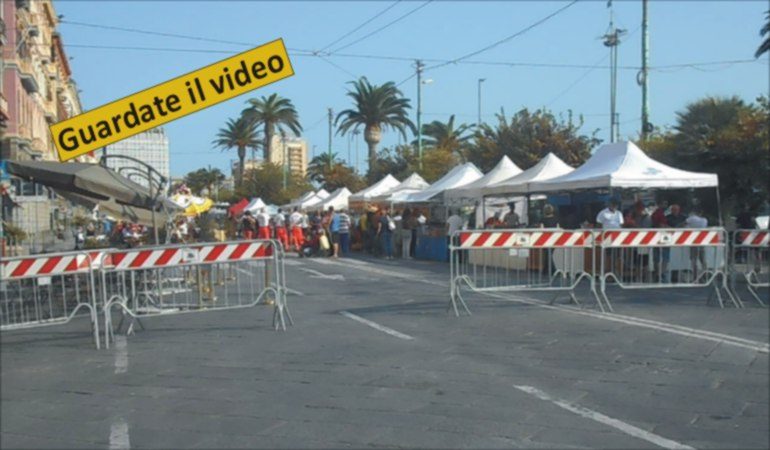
(549, 217)
(512, 218)
(263, 222)
(676, 219)
(406, 233)
(344, 232)
(334, 231)
(610, 218)
(696, 220)
(279, 221)
(295, 229)
(248, 226)
(385, 228)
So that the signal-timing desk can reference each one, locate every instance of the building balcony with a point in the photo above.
(3, 109)
(27, 76)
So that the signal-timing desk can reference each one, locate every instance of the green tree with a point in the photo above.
(528, 137)
(764, 47)
(274, 112)
(204, 179)
(239, 134)
(447, 136)
(377, 108)
(725, 136)
(334, 175)
(266, 182)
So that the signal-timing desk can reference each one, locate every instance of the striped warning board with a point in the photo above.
(525, 239)
(661, 238)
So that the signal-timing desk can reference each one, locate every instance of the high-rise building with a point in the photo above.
(294, 150)
(150, 147)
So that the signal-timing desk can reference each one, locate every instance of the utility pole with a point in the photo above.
(478, 122)
(612, 40)
(419, 110)
(285, 159)
(330, 137)
(642, 76)
(355, 136)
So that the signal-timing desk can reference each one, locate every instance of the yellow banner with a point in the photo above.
(171, 100)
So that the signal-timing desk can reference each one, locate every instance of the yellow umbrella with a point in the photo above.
(192, 205)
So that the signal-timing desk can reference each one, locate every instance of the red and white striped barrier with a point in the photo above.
(661, 238)
(752, 238)
(43, 266)
(524, 239)
(167, 257)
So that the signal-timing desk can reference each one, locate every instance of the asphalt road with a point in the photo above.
(374, 360)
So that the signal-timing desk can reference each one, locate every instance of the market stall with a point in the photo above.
(412, 184)
(337, 199)
(363, 198)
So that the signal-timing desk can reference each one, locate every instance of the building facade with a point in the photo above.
(291, 149)
(150, 147)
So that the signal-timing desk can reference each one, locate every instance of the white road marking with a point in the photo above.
(317, 274)
(601, 418)
(680, 330)
(652, 324)
(121, 354)
(119, 435)
(291, 262)
(377, 326)
(295, 292)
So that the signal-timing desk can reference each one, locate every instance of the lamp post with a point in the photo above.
(285, 159)
(420, 82)
(481, 80)
(355, 134)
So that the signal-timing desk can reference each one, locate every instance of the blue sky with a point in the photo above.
(680, 32)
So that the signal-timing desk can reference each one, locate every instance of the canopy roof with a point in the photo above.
(413, 183)
(549, 167)
(255, 205)
(322, 193)
(378, 188)
(338, 199)
(504, 169)
(461, 175)
(84, 179)
(624, 165)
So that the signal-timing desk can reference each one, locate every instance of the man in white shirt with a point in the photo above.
(295, 229)
(279, 222)
(454, 223)
(263, 220)
(610, 217)
(696, 220)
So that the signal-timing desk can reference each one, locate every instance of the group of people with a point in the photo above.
(324, 234)
(378, 228)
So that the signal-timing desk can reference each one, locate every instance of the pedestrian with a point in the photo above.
(263, 222)
(696, 220)
(295, 230)
(406, 233)
(334, 231)
(512, 218)
(610, 218)
(80, 238)
(248, 226)
(676, 219)
(279, 222)
(549, 219)
(344, 232)
(385, 228)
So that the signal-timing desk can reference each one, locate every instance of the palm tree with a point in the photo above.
(765, 31)
(376, 108)
(319, 166)
(241, 134)
(272, 112)
(445, 136)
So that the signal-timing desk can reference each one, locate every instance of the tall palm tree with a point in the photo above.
(376, 108)
(445, 136)
(765, 31)
(319, 166)
(274, 112)
(240, 134)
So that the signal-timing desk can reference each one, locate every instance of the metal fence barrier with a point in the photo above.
(750, 261)
(180, 279)
(46, 290)
(665, 258)
(520, 260)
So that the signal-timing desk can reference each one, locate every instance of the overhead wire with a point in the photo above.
(387, 25)
(370, 20)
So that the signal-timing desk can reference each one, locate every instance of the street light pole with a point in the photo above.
(330, 137)
(478, 122)
(419, 110)
(285, 159)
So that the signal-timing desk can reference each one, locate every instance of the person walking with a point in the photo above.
(296, 239)
(334, 231)
(344, 232)
(263, 222)
(385, 228)
(696, 220)
(610, 218)
(279, 222)
(406, 233)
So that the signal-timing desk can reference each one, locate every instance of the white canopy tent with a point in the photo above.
(255, 205)
(413, 183)
(505, 169)
(460, 175)
(624, 165)
(384, 185)
(322, 193)
(338, 199)
(547, 168)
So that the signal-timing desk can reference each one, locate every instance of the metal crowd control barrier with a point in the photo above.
(750, 261)
(181, 279)
(520, 260)
(665, 258)
(46, 290)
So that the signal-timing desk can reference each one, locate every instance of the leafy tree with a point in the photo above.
(274, 112)
(266, 182)
(396, 161)
(446, 136)
(436, 163)
(765, 31)
(204, 179)
(239, 134)
(377, 108)
(725, 136)
(528, 137)
(334, 175)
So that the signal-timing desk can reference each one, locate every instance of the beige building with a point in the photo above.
(292, 149)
